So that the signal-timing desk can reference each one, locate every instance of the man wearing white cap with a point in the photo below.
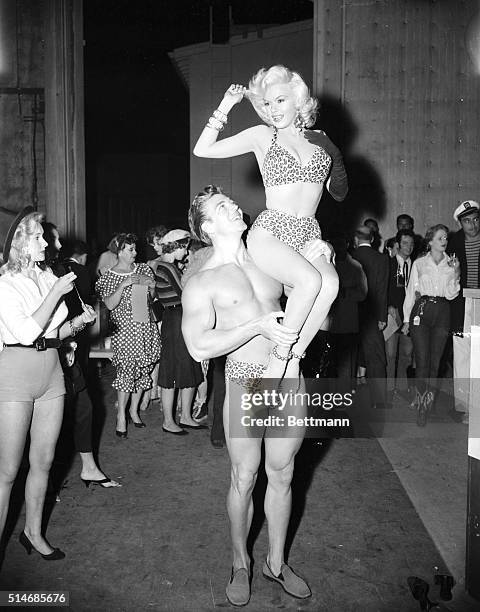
(465, 244)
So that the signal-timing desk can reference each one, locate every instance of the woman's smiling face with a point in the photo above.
(280, 105)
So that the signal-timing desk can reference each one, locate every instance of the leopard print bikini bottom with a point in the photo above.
(292, 230)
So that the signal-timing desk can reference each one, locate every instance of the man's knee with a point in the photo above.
(243, 480)
(280, 475)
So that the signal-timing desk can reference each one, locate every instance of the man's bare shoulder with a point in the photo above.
(208, 276)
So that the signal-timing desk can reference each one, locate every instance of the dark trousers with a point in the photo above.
(429, 339)
(345, 349)
(372, 346)
(79, 412)
(217, 432)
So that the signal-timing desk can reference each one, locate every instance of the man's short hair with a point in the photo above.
(363, 232)
(197, 214)
(405, 216)
(404, 232)
(370, 220)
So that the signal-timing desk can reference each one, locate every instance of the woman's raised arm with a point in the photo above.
(244, 142)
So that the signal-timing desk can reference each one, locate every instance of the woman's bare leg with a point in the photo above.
(318, 313)
(187, 399)
(134, 402)
(15, 418)
(291, 269)
(122, 401)
(44, 430)
(168, 396)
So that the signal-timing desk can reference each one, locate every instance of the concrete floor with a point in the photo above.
(367, 514)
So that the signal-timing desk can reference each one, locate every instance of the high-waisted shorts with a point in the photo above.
(27, 375)
(291, 230)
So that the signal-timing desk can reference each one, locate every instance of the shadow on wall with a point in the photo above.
(366, 191)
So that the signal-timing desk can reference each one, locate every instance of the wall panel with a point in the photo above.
(408, 93)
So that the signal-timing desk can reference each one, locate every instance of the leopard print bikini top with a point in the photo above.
(280, 167)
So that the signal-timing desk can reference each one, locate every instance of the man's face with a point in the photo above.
(404, 223)
(405, 247)
(224, 216)
(471, 224)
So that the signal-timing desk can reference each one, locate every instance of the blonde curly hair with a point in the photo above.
(19, 257)
(275, 75)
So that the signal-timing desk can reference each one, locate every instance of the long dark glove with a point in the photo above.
(338, 185)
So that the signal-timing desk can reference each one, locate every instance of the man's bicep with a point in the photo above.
(198, 313)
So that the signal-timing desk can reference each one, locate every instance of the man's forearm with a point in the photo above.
(217, 342)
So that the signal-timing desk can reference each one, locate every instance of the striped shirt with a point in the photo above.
(472, 252)
(168, 287)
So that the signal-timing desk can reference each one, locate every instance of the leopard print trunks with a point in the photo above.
(243, 369)
(293, 231)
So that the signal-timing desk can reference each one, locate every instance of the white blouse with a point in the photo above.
(20, 297)
(429, 278)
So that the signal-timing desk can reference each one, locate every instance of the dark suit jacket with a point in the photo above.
(83, 283)
(396, 295)
(376, 268)
(456, 245)
(352, 290)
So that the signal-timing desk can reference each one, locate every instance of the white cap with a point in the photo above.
(173, 235)
(465, 208)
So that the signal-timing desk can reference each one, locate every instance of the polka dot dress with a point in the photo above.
(135, 345)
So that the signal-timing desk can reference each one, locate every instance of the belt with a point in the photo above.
(40, 344)
(433, 298)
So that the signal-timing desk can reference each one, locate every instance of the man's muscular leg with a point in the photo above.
(245, 455)
(279, 463)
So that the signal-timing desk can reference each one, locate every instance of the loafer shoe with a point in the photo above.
(288, 580)
(238, 589)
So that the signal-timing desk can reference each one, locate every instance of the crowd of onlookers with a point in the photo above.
(400, 317)
(395, 322)
(397, 319)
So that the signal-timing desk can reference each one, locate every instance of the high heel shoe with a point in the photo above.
(55, 555)
(104, 482)
(139, 425)
(121, 434)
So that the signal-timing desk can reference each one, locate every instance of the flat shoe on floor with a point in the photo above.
(220, 443)
(288, 580)
(238, 589)
(193, 426)
(175, 433)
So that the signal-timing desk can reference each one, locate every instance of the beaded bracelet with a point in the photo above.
(215, 124)
(276, 354)
(297, 356)
(75, 329)
(217, 114)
